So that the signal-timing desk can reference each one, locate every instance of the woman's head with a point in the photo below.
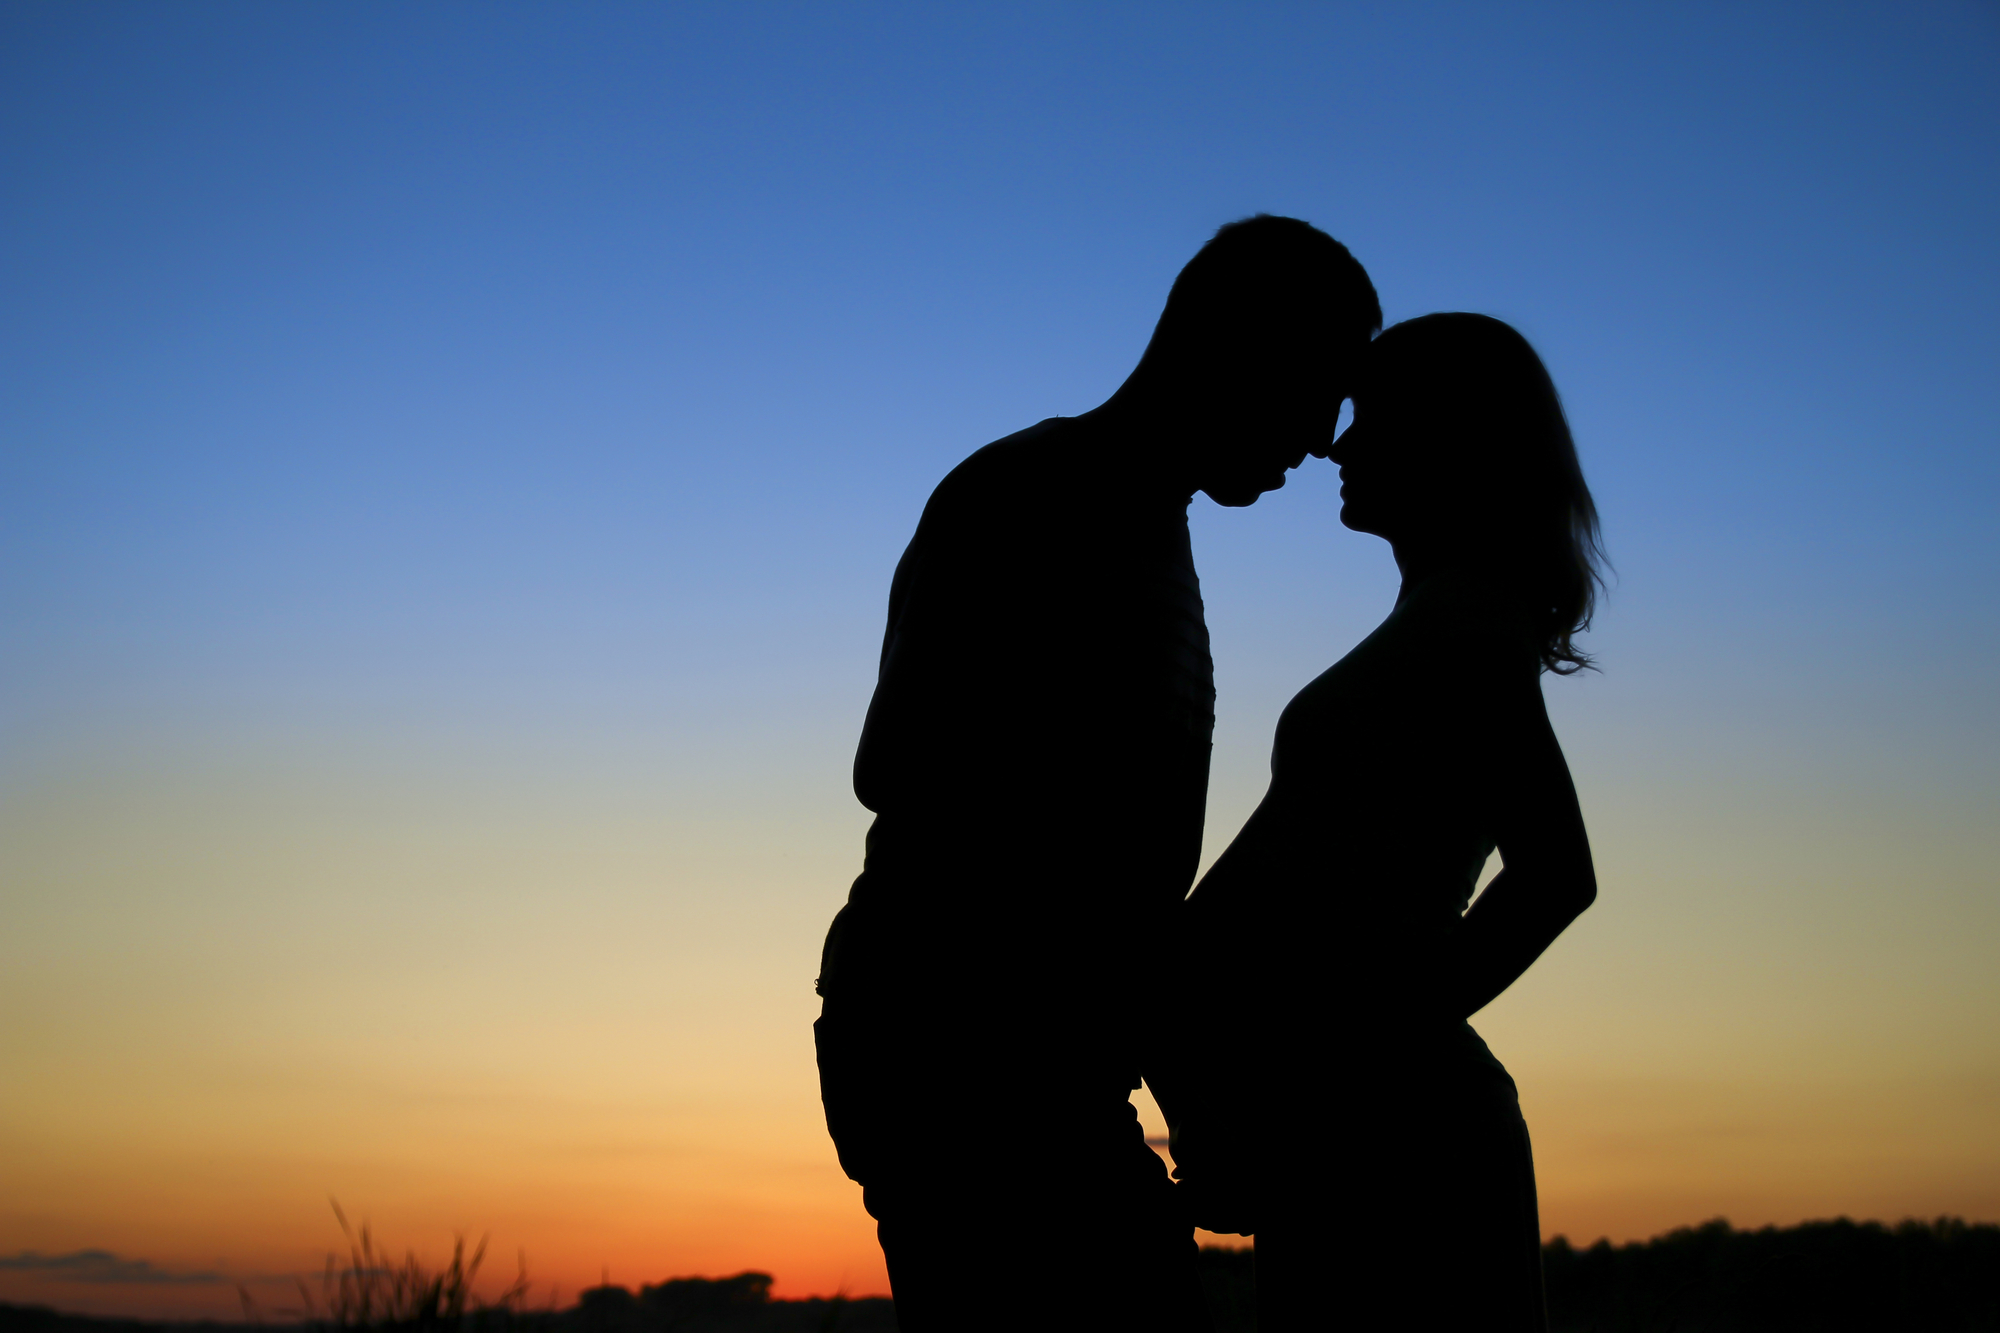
(1460, 451)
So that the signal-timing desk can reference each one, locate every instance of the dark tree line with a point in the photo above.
(1822, 1277)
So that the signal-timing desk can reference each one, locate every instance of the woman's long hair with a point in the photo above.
(1490, 411)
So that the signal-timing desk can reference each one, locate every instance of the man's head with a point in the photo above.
(1252, 356)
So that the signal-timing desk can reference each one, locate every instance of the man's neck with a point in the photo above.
(1136, 430)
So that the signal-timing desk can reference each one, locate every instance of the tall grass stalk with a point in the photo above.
(370, 1291)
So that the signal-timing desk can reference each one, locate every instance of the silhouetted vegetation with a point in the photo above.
(41, 1319)
(740, 1304)
(1822, 1277)
(1229, 1280)
(370, 1291)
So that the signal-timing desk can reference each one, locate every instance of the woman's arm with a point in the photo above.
(1547, 879)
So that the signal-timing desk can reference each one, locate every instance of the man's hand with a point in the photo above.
(1215, 1186)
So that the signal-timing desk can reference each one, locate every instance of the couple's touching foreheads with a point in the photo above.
(1021, 949)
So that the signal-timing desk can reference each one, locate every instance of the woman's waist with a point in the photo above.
(1381, 833)
(1339, 945)
(1288, 874)
(1409, 1064)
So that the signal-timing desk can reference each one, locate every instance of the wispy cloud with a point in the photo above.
(99, 1266)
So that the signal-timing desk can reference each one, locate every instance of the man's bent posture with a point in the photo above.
(1037, 758)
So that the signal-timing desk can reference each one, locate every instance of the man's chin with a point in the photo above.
(1241, 497)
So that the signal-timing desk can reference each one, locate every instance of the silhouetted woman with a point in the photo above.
(1363, 1131)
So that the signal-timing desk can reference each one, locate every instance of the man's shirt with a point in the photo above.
(1037, 748)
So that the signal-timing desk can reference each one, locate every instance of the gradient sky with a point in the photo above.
(452, 458)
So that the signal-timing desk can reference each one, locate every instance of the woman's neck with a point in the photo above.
(1420, 562)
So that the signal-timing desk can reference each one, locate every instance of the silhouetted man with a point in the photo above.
(1037, 758)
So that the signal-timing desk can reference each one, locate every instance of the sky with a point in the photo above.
(452, 458)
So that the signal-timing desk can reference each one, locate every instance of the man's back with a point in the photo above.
(1037, 749)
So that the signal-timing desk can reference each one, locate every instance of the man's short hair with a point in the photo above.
(1276, 275)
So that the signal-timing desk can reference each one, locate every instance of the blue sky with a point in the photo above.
(452, 458)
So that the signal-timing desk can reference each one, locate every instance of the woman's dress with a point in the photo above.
(1386, 1164)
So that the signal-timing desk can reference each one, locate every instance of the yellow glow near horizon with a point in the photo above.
(586, 1031)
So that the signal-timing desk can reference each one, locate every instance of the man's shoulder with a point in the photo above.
(972, 524)
(1005, 470)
